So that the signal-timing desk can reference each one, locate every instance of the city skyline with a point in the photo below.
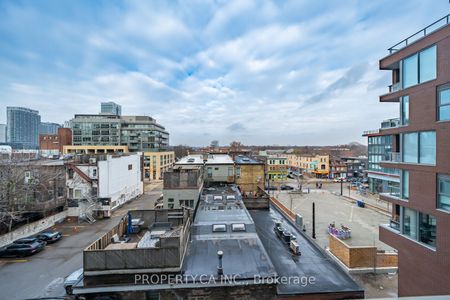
(252, 71)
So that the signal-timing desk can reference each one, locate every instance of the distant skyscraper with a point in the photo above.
(2, 133)
(23, 127)
(48, 128)
(111, 108)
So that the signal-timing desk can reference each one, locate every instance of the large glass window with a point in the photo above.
(444, 192)
(410, 223)
(404, 107)
(410, 71)
(427, 61)
(410, 147)
(427, 229)
(444, 103)
(405, 184)
(419, 147)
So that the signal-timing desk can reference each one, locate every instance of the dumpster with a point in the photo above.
(360, 203)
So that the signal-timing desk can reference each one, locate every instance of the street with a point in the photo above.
(42, 275)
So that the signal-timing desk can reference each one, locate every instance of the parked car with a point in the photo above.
(286, 188)
(29, 240)
(71, 280)
(49, 236)
(20, 250)
(272, 188)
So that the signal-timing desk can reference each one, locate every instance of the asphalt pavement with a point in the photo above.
(42, 275)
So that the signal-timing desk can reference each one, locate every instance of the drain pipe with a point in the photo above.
(220, 267)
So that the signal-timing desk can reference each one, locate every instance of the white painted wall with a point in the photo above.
(117, 181)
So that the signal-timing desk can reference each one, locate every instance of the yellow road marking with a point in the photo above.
(14, 260)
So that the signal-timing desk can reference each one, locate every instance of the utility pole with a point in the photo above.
(342, 181)
(313, 220)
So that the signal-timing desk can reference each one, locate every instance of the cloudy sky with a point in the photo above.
(281, 72)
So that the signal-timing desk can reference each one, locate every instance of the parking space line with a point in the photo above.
(14, 261)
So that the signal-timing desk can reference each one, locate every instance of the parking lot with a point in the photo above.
(42, 275)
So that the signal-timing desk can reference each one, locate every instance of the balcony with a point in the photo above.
(420, 34)
(393, 157)
(390, 123)
(395, 87)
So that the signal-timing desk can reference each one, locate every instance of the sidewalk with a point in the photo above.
(373, 200)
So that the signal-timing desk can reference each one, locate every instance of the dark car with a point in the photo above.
(29, 240)
(286, 188)
(49, 236)
(272, 188)
(20, 250)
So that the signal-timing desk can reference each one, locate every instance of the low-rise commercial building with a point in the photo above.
(318, 165)
(182, 186)
(277, 168)
(53, 144)
(249, 174)
(156, 163)
(96, 185)
(72, 149)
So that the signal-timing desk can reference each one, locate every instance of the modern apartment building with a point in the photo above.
(3, 133)
(48, 128)
(111, 108)
(420, 228)
(139, 133)
(381, 179)
(23, 127)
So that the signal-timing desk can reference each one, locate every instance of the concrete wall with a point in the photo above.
(220, 173)
(31, 229)
(119, 178)
(180, 194)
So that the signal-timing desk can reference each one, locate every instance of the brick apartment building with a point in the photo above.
(54, 143)
(420, 225)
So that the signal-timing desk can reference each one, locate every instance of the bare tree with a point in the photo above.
(29, 189)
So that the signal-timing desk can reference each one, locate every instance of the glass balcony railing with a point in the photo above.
(390, 123)
(393, 157)
(394, 225)
(395, 87)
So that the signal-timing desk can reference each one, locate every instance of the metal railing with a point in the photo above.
(421, 33)
(375, 131)
(394, 225)
(394, 157)
(390, 123)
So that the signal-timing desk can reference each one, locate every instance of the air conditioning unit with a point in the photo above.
(92, 160)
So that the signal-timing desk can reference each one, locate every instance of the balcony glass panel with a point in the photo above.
(444, 192)
(405, 184)
(404, 107)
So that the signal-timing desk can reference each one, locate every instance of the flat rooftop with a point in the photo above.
(329, 277)
(243, 252)
(213, 159)
(245, 160)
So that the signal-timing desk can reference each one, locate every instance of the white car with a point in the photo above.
(72, 279)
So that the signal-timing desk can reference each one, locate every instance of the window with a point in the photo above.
(444, 103)
(130, 167)
(410, 71)
(410, 149)
(427, 150)
(238, 227)
(419, 147)
(444, 192)
(427, 64)
(405, 184)
(77, 194)
(419, 68)
(70, 173)
(230, 171)
(427, 229)
(219, 228)
(238, 172)
(404, 108)
(209, 172)
(410, 223)
(170, 200)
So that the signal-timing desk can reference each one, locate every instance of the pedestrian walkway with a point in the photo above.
(373, 200)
